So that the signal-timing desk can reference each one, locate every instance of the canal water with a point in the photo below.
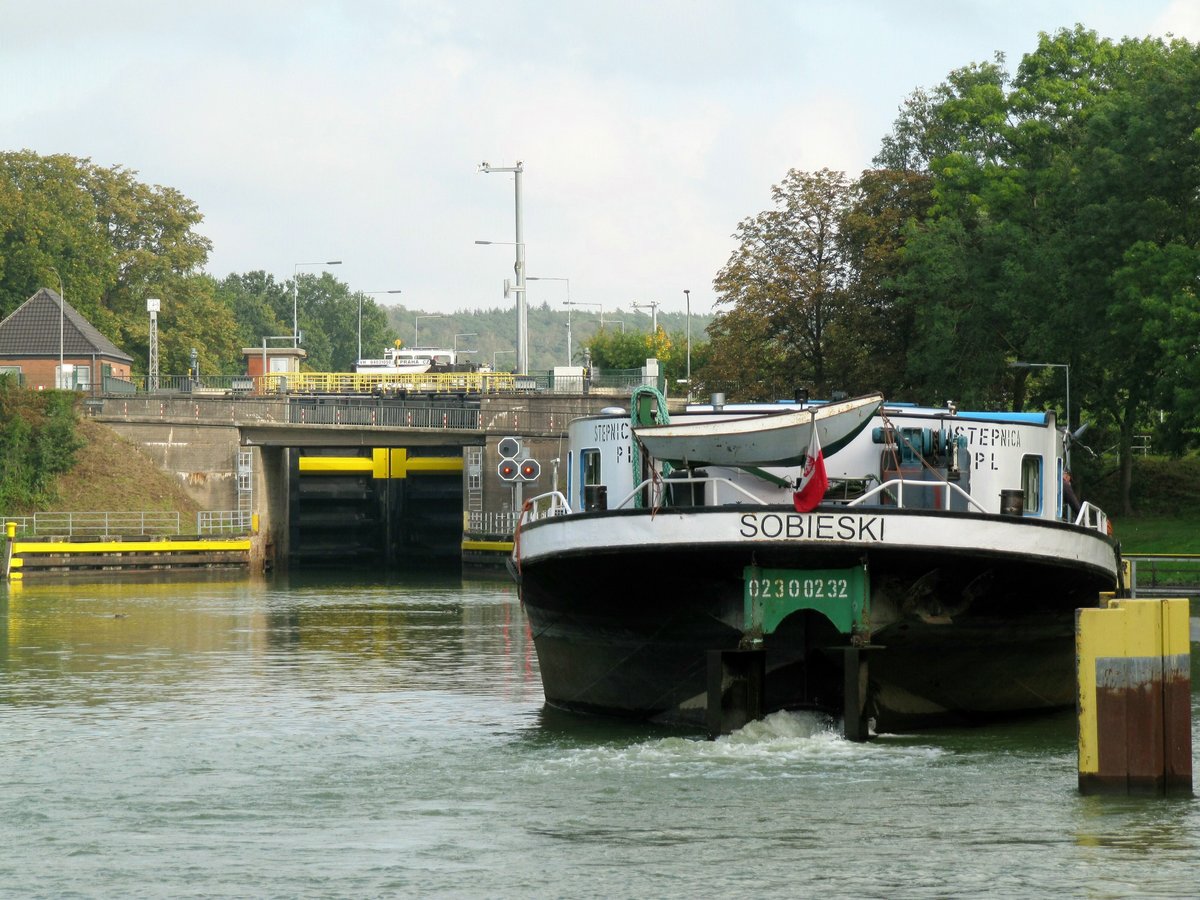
(338, 738)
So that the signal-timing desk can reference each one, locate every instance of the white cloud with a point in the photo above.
(309, 130)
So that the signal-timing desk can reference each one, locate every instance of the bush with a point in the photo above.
(1161, 486)
(38, 441)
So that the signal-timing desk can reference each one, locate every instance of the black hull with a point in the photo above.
(961, 638)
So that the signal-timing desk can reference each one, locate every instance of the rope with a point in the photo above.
(659, 416)
(517, 535)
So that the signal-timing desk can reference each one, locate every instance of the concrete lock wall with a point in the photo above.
(202, 458)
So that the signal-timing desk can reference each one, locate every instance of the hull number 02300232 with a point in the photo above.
(806, 586)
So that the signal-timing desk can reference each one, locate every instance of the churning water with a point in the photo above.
(372, 739)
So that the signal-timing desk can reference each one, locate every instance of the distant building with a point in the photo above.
(30, 346)
(273, 360)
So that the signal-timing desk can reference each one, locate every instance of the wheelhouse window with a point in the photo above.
(1031, 483)
(590, 461)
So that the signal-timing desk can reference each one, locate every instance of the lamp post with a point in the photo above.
(497, 353)
(62, 291)
(463, 334)
(687, 298)
(417, 329)
(568, 281)
(296, 295)
(653, 304)
(360, 296)
(518, 267)
(1067, 371)
(588, 303)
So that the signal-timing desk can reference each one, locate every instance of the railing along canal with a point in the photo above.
(128, 524)
(1164, 574)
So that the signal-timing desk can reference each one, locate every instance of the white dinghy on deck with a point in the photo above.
(765, 439)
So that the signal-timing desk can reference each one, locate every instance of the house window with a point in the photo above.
(1031, 483)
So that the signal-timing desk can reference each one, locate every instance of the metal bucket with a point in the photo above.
(1012, 503)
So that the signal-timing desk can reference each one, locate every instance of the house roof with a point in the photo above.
(33, 331)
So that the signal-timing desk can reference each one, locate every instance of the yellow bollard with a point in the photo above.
(1134, 707)
(10, 532)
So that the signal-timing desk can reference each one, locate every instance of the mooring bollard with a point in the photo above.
(1135, 698)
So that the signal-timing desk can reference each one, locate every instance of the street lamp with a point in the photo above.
(417, 328)
(61, 317)
(518, 267)
(687, 296)
(296, 294)
(653, 304)
(463, 334)
(588, 303)
(1067, 371)
(497, 353)
(360, 296)
(568, 281)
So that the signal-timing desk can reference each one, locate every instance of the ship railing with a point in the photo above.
(1092, 517)
(544, 506)
(895, 488)
(657, 486)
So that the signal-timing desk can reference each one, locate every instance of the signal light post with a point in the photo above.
(516, 467)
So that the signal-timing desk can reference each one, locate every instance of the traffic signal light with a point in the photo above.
(512, 467)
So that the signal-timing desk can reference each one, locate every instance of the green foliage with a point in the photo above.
(38, 441)
(109, 242)
(620, 350)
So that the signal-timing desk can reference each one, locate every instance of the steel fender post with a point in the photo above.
(1134, 698)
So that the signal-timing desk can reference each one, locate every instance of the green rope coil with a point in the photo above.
(643, 412)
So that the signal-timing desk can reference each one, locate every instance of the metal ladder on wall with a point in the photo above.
(245, 486)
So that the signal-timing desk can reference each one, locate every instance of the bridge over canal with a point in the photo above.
(351, 481)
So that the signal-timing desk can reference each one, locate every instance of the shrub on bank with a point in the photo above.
(38, 441)
(1161, 485)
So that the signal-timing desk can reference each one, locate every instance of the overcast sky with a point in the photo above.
(309, 131)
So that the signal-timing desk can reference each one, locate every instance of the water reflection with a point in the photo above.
(67, 642)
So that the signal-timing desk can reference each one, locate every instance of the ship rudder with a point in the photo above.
(736, 689)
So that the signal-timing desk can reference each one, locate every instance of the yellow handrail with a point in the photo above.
(370, 382)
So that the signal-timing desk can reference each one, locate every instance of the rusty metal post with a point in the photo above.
(736, 686)
(1134, 707)
(854, 671)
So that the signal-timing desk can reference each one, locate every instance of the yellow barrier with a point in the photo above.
(1134, 709)
(383, 462)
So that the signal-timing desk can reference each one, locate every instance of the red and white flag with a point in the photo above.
(813, 481)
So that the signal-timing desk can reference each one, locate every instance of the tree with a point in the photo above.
(113, 240)
(1062, 229)
(787, 282)
(619, 350)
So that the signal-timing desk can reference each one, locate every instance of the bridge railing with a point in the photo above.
(278, 384)
(385, 416)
